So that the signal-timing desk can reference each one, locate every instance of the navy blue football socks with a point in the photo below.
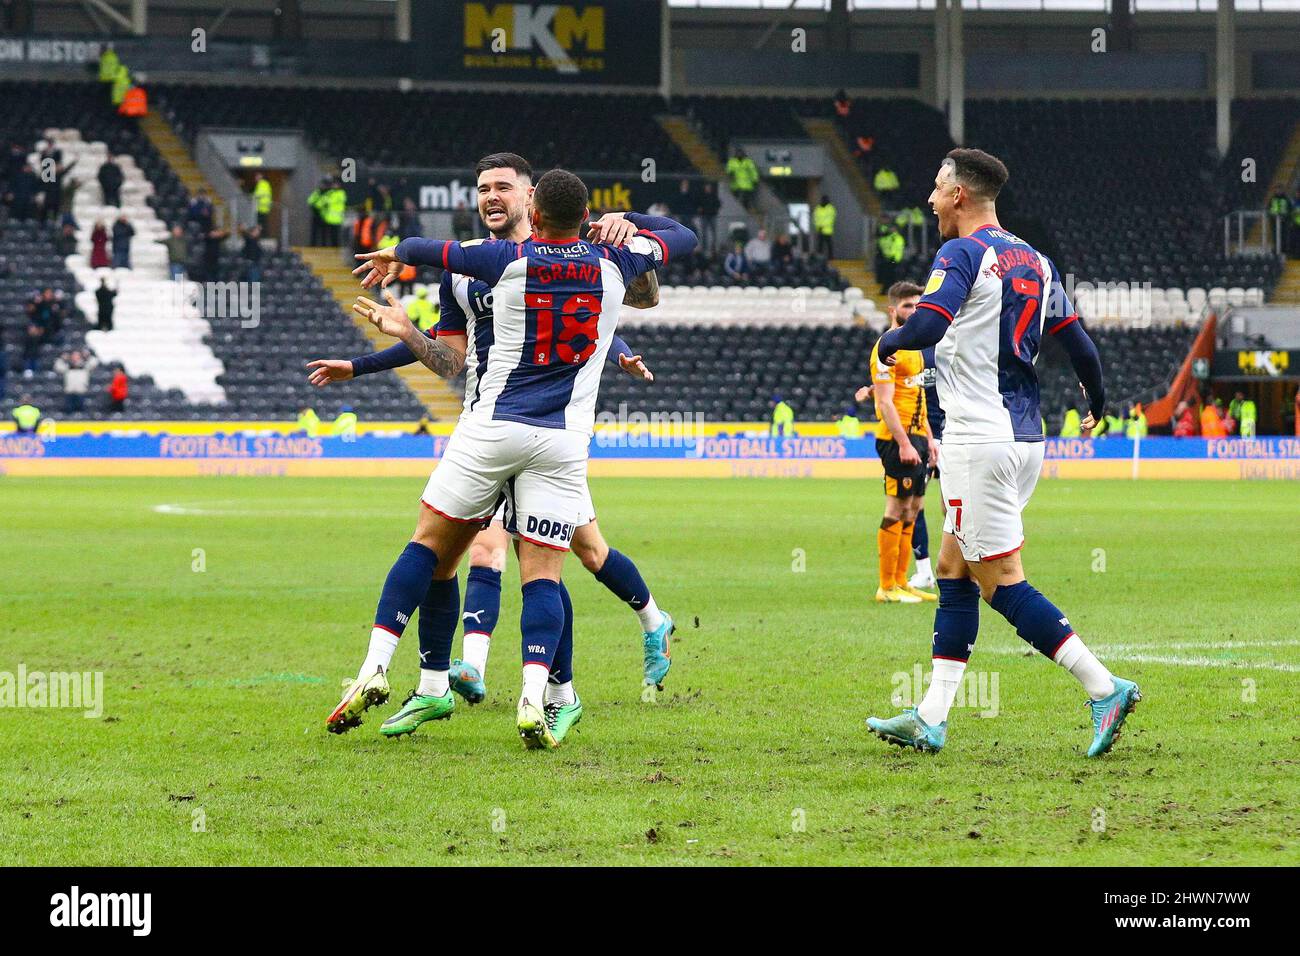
(405, 587)
(438, 612)
(1036, 619)
(956, 619)
(620, 575)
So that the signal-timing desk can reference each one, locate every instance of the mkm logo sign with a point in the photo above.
(556, 31)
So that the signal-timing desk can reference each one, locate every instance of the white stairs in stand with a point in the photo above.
(157, 330)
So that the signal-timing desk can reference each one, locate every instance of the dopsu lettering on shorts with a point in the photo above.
(549, 530)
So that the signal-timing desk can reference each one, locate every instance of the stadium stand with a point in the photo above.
(30, 263)
(181, 365)
(458, 129)
(264, 375)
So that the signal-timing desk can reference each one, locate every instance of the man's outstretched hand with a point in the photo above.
(634, 366)
(381, 266)
(325, 371)
(390, 319)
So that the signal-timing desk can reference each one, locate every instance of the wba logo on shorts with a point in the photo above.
(548, 531)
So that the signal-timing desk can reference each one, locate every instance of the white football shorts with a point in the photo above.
(541, 471)
(985, 488)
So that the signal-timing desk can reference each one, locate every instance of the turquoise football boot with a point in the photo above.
(1109, 714)
(467, 681)
(658, 651)
(909, 730)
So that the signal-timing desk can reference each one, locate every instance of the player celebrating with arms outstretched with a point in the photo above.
(505, 188)
(555, 307)
(985, 307)
(907, 451)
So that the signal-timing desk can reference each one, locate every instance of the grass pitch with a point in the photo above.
(223, 612)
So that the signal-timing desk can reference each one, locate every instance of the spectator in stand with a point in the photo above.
(178, 252)
(47, 313)
(26, 416)
(122, 233)
(110, 181)
(658, 208)
(685, 203)
(66, 244)
(118, 388)
(212, 242)
(824, 227)
(15, 161)
(783, 249)
(75, 369)
(21, 197)
(736, 266)
(52, 174)
(67, 199)
(758, 250)
(743, 176)
(1185, 421)
(706, 217)
(104, 297)
(379, 198)
(408, 222)
(4, 365)
(252, 253)
(32, 340)
(199, 211)
(99, 247)
(843, 105)
(462, 223)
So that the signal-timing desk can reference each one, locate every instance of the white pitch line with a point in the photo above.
(1113, 654)
(191, 511)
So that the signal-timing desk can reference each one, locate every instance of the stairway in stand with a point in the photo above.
(1287, 290)
(433, 392)
(178, 157)
(689, 142)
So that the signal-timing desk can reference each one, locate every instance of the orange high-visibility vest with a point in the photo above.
(364, 231)
(134, 103)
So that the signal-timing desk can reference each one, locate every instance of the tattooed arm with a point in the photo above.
(642, 292)
(444, 355)
(436, 354)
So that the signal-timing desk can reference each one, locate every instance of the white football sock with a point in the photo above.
(383, 644)
(945, 678)
(535, 677)
(650, 615)
(475, 650)
(433, 683)
(1075, 657)
(560, 693)
(923, 569)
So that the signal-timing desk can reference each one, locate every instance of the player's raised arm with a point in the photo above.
(676, 239)
(438, 355)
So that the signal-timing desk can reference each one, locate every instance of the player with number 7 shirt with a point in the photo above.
(985, 308)
(555, 304)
